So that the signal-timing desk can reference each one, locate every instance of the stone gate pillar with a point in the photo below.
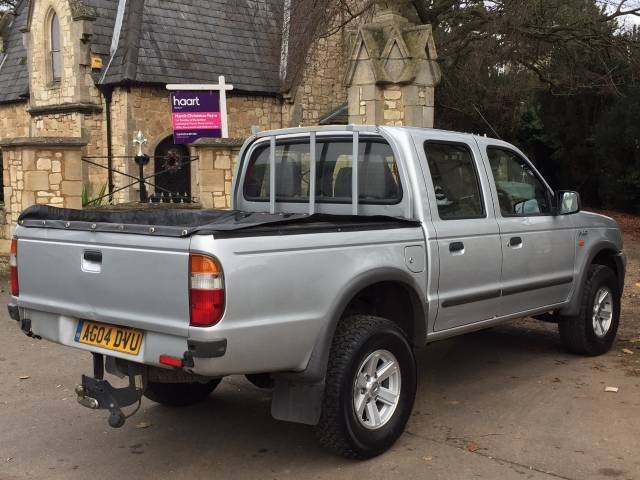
(211, 179)
(41, 171)
(393, 69)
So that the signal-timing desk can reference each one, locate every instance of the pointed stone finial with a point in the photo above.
(394, 11)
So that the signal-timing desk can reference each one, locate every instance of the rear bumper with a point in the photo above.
(224, 350)
(62, 329)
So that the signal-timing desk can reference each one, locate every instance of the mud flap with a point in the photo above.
(297, 402)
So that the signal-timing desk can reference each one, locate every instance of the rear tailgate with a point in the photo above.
(137, 281)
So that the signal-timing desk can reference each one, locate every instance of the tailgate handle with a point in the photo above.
(93, 256)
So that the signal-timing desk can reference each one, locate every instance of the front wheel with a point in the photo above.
(370, 387)
(179, 394)
(594, 329)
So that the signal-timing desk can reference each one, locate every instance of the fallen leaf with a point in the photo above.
(627, 351)
(611, 389)
(24, 377)
(473, 447)
(143, 425)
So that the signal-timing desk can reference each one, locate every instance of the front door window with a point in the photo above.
(520, 191)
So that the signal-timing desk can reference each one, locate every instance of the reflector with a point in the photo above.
(170, 361)
(13, 268)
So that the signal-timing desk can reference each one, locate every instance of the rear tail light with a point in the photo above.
(206, 291)
(13, 268)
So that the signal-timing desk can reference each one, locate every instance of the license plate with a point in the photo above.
(121, 339)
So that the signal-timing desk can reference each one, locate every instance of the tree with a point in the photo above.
(7, 5)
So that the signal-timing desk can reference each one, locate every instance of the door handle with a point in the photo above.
(515, 241)
(455, 247)
(93, 256)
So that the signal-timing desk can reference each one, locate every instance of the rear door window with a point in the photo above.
(455, 181)
(378, 179)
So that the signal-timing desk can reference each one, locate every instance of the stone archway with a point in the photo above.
(175, 159)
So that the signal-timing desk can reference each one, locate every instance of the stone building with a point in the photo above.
(78, 79)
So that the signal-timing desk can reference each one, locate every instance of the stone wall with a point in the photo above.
(14, 120)
(40, 172)
(64, 124)
(246, 111)
(94, 130)
(321, 89)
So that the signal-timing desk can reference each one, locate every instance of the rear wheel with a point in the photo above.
(179, 394)
(594, 329)
(370, 388)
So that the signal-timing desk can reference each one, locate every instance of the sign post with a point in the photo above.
(199, 111)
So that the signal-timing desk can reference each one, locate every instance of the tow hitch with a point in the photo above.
(97, 393)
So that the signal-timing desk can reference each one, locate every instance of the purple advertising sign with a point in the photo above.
(195, 114)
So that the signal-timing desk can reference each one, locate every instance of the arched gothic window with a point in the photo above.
(56, 57)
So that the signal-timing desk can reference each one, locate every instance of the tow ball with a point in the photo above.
(97, 393)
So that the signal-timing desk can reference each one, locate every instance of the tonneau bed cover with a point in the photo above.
(186, 222)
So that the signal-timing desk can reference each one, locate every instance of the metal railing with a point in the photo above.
(160, 194)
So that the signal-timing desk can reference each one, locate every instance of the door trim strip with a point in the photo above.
(474, 297)
(525, 287)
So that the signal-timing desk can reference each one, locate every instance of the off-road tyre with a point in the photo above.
(179, 394)
(578, 334)
(339, 429)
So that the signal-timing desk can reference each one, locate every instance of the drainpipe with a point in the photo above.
(107, 92)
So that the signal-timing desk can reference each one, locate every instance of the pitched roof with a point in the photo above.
(171, 41)
(14, 78)
(190, 41)
(103, 25)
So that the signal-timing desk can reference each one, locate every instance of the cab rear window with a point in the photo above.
(378, 179)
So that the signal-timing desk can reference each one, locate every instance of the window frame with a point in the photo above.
(257, 150)
(49, 37)
(476, 171)
(548, 190)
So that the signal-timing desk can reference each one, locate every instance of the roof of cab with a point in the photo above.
(375, 129)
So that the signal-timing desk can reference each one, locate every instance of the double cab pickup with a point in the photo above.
(347, 249)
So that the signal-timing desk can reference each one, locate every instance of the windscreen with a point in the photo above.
(378, 179)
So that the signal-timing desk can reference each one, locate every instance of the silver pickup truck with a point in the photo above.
(346, 249)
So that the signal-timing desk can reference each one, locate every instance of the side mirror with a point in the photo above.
(567, 202)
